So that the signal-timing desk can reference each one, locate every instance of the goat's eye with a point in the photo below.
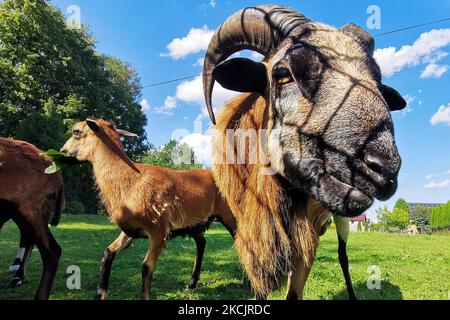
(77, 133)
(282, 76)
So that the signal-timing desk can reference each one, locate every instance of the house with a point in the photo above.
(362, 220)
(413, 206)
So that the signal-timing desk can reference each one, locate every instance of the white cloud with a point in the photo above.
(195, 41)
(213, 3)
(145, 105)
(424, 50)
(409, 103)
(447, 173)
(429, 177)
(434, 71)
(192, 92)
(199, 62)
(434, 184)
(201, 144)
(435, 57)
(442, 116)
(170, 104)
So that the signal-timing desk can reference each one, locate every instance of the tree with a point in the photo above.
(403, 205)
(399, 219)
(383, 215)
(51, 77)
(421, 217)
(174, 155)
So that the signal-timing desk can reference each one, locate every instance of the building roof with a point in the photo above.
(413, 206)
(361, 218)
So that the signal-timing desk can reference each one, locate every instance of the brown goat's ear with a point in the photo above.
(393, 98)
(242, 75)
(125, 133)
(92, 124)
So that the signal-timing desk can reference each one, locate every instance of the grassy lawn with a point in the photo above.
(411, 267)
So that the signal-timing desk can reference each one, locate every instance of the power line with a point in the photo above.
(412, 27)
(170, 81)
(377, 35)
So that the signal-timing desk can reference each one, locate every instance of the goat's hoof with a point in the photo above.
(16, 283)
(103, 295)
(192, 284)
(353, 298)
(292, 296)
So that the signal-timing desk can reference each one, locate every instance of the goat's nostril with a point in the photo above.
(374, 163)
(384, 179)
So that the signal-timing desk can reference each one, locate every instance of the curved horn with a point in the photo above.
(259, 28)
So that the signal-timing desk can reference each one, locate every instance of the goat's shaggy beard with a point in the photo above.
(334, 189)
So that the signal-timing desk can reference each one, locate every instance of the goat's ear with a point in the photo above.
(125, 133)
(360, 35)
(242, 75)
(92, 124)
(393, 98)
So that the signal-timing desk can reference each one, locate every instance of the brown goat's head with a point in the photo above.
(88, 137)
(332, 134)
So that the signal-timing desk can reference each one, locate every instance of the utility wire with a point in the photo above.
(170, 81)
(377, 35)
(412, 27)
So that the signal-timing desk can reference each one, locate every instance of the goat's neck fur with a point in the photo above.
(275, 225)
(113, 176)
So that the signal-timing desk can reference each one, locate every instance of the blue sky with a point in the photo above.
(165, 40)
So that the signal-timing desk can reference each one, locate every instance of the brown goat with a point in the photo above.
(196, 232)
(144, 198)
(31, 199)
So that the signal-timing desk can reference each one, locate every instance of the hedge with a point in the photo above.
(440, 217)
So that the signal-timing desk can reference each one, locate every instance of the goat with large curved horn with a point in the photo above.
(331, 144)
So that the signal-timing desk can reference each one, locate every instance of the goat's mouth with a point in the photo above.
(342, 198)
(70, 159)
(338, 193)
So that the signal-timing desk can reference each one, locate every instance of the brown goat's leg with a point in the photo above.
(297, 280)
(156, 245)
(23, 256)
(50, 253)
(200, 242)
(121, 243)
(228, 221)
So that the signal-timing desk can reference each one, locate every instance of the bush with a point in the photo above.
(399, 219)
(440, 217)
(75, 207)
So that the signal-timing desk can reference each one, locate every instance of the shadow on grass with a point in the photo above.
(388, 291)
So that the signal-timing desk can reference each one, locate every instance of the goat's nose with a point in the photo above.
(383, 174)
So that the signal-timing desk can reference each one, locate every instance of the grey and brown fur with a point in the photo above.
(331, 146)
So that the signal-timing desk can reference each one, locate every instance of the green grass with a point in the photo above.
(411, 267)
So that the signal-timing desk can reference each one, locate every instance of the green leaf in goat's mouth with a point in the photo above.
(59, 159)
